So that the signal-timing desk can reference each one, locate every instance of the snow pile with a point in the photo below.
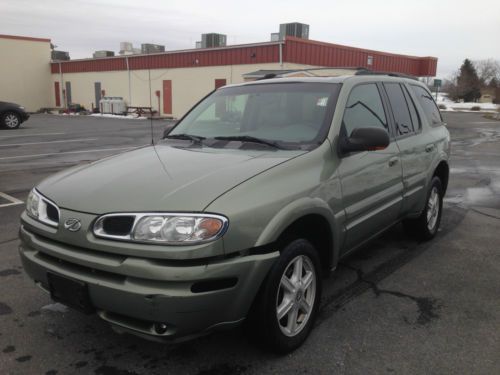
(446, 104)
(109, 115)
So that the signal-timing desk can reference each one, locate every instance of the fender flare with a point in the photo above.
(298, 209)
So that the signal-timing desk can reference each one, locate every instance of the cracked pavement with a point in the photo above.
(395, 306)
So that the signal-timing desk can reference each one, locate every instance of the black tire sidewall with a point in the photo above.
(274, 338)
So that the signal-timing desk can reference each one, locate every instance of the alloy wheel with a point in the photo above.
(11, 121)
(433, 207)
(296, 295)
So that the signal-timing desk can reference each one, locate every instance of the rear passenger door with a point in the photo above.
(415, 158)
(371, 181)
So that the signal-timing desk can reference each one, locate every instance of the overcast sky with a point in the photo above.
(449, 30)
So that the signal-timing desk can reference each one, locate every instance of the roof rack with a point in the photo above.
(368, 72)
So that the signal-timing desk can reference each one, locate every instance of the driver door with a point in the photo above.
(371, 181)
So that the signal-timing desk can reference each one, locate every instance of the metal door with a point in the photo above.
(68, 93)
(97, 90)
(57, 92)
(167, 96)
(219, 82)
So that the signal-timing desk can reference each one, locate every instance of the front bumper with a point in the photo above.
(134, 294)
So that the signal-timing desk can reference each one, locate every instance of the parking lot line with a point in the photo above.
(14, 201)
(70, 152)
(29, 135)
(41, 143)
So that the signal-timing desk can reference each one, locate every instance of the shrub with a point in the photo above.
(475, 108)
(441, 106)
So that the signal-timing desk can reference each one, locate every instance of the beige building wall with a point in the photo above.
(25, 72)
(189, 85)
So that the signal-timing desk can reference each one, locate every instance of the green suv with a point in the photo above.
(242, 209)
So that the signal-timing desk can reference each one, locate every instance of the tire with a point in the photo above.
(300, 298)
(11, 120)
(426, 225)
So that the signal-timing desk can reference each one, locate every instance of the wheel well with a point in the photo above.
(316, 229)
(443, 172)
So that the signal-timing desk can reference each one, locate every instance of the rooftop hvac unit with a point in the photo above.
(296, 29)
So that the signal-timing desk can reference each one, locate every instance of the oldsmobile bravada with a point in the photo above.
(242, 208)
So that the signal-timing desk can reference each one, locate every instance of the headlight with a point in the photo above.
(42, 209)
(161, 228)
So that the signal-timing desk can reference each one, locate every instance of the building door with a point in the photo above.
(97, 91)
(220, 82)
(167, 96)
(68, 93)
(57, 92)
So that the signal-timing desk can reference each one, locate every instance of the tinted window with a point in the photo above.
(400, 109)
(430, 108)
(364, 109)
(415, 118)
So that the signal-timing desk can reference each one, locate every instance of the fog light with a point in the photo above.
(160, 328)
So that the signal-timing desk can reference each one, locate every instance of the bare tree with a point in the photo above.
(487, 70)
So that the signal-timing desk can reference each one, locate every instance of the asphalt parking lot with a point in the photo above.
(396, 306)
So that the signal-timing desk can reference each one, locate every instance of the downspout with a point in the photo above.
(129, 84)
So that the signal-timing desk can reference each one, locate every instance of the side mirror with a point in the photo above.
(168, 128)
(365, 139)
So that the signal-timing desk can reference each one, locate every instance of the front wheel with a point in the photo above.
(11, 120)
(288, 302)
(426, 225)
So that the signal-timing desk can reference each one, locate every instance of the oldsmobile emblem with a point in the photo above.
(73, 225)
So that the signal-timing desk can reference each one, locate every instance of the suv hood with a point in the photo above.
(160, 178)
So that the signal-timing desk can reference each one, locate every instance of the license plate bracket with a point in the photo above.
(73, 293)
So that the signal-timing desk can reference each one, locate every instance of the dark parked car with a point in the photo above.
(12, 115)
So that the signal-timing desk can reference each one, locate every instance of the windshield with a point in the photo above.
(280, 114)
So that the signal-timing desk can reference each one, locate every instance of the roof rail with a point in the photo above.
(368, 72)
(267, 76)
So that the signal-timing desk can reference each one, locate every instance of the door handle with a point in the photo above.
(429, 148)
(393, 161)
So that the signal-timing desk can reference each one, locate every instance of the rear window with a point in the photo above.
(428, 104)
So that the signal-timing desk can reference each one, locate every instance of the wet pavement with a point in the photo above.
(394, 307)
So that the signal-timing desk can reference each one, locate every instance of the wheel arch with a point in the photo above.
(308, 218)
(442, 171)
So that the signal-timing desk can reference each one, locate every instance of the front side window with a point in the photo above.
(364, 109)
(290, 113)
(428, 104)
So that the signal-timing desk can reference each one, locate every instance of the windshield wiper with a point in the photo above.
(249, 138)
(189, 137)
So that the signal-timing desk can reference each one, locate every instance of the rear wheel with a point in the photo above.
(426, 225)
(11, 120)
(288, 302)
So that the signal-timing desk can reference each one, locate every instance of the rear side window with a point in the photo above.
(364, 109)
(402, 117)
(430, 108)
(415, 117)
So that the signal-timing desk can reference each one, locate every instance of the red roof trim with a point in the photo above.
(31, 39)
(349, 48)
(295, 50)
